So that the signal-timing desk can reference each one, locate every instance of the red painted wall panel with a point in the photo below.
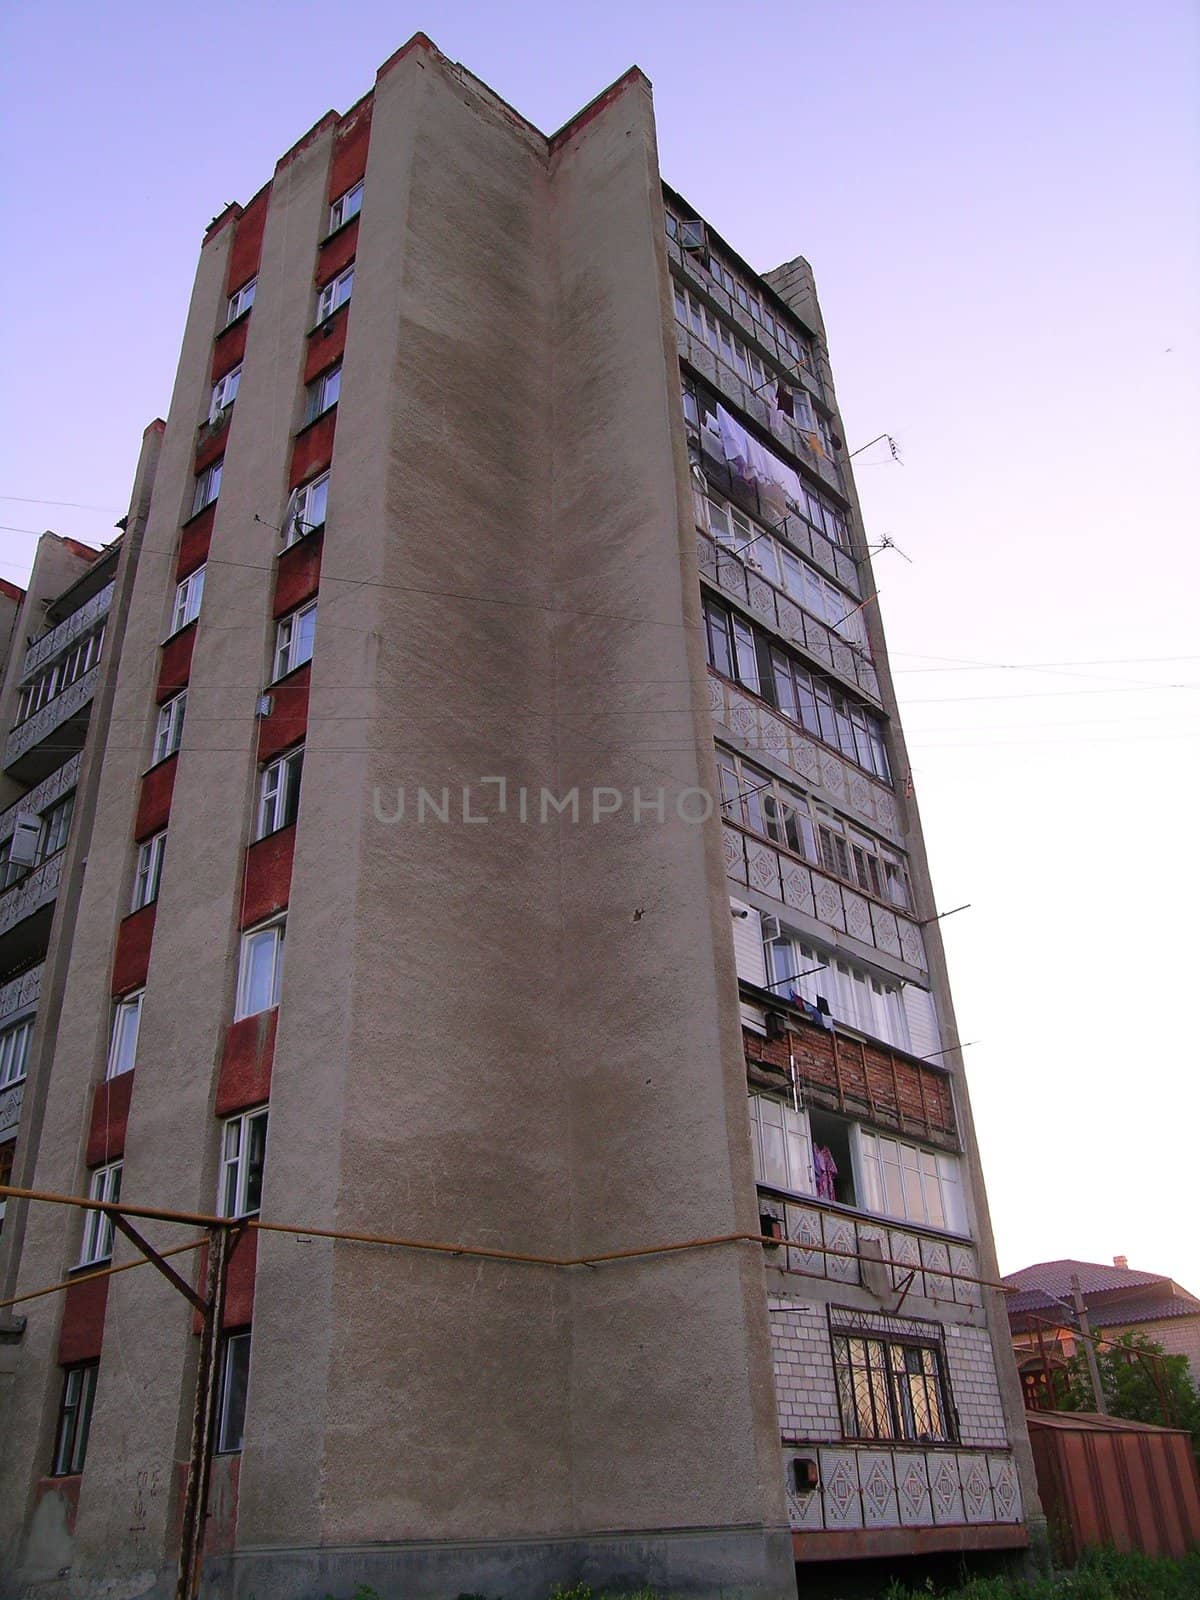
(210, 444)
(324, 348)
(154, 802)
(239, 1285)
(64, 1489)
(313, 449)
(109, 1120)
(81, 1332)
(350, 145)
(289, 714)
(337, 252)
(229, 348)
(268, 876)
(176, 663)
(244, 1079)
(298, 573)
(194, 542)
(132, 959)
(247, 241)
(239, 1282)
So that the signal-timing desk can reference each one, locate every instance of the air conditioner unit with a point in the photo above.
(771, 929)
(22, 852)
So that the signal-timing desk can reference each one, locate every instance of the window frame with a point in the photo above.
(207, 487)
(168, 727)
(339, 215)
(96, 1245)
(276, 929)
(235, 1348)
(147, 871)
(297, 525)
(225, 390)
(54, 829)
(936, 1172)
(74, 1419)
(15, 1039)
(241, 1163)
(129, 1005)
(781, 1143)
(333, 295)
(278, 793)
(189, 597)
(290, 640)
(317, 402)
(240, 301)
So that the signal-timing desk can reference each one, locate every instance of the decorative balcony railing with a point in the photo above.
(877, 1486)
(36, 889)
(20, 994)
(757, 863)
(41, 797)
(68, 630)
(53, 714)
(826, 1241)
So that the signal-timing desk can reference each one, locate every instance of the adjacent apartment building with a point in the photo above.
(500, 838)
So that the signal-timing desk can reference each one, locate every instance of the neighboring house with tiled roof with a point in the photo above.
(1117, 1299)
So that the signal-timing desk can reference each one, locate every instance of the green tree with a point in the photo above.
(1141, 1383)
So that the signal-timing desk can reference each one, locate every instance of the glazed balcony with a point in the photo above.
(58, 640)
(35, 746)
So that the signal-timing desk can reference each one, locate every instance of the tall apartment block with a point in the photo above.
(504, 895)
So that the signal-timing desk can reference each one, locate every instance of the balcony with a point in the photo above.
(825, 1240)
(780, 612)
(66, 716)
(769, 737)
(71, 628)
(60, 782)
(794, 439)
(785, 877)
(26, 911)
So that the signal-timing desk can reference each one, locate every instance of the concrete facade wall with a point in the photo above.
(507, 553)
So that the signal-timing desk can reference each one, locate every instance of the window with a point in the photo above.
(730, 644)
(335, 294)
(14, 1052)
(98, 1227)
(868, 1001)
(188, 596)
(279, 793)
(122, 1048)
(168, 730)
(233, 1373)
(56, 825)
(260, 970)
(294, 636)
(240, 301)
(720, 338)
(782, 1147)
(208, 486)
(74, 1418)
(224, 394)
(148, 871)
(243, 1146)
(905, 1180)
(345, 206)
(813, 701)
(890, 1388)
(306, 510)
(322, 394)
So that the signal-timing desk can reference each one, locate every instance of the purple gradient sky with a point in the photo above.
(1000, 205)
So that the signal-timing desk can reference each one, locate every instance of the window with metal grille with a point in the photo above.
(891, 1388)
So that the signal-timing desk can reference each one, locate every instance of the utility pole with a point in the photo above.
(1089, 1344)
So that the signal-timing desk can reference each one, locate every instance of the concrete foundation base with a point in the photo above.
(733, 1563)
